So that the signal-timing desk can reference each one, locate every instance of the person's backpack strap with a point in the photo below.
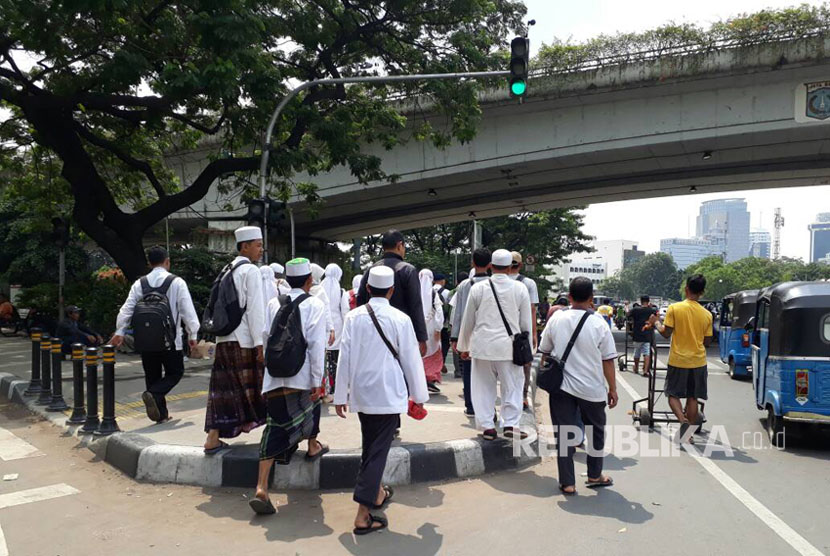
(573, 337)
(501, 312)
(162, 288)
(520, 278)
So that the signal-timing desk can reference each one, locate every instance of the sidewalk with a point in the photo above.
(445, 445)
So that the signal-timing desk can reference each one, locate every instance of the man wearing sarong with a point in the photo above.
(372, 380)
(293, 402)
(235, 404)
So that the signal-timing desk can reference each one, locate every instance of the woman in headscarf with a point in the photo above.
(269, 288)
(353, 292)
(317, 274)
(338, 307)
(434, 318)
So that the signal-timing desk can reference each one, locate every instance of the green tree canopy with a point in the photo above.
(655, 275)
(111, 87)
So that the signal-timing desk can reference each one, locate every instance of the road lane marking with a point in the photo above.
(787, 533)
(13, 447)
(36, 495)
(4, 549)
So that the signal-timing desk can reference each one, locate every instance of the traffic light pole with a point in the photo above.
(380, 79)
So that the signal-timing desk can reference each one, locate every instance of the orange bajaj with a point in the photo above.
(790, 336)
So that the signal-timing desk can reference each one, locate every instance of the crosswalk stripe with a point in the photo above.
(13, 447)
(36, 495)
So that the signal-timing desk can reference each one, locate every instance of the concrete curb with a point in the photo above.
(145, 460)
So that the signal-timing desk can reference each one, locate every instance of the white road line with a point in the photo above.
(4, 550)
(13, 447)
(787, 533)
(36, 495)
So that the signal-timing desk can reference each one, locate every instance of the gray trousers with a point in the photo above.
(378, 432)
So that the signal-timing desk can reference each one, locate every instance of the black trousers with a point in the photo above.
(162, 372)
(466, 375)
(331, 368)
(445, 343)
(564, 412)
(377, 431)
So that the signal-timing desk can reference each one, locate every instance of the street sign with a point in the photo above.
(530, 260)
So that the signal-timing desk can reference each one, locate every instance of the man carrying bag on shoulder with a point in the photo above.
(583, 353)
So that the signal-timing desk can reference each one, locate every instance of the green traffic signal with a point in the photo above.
(518, 88)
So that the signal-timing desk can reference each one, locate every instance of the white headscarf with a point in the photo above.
(356, 282)
(269, 286)
(331, 283)
(317, 273)
(425, 277)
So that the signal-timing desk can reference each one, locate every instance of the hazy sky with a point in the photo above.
(673, 216)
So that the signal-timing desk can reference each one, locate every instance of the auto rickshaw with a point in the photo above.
(733, 340)
(791, 356)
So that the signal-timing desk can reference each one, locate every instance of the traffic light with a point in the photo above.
(60, 232)
(276, 214)
(519, 63)
(256, 212)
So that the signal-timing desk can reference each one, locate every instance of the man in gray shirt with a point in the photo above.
(481, 263)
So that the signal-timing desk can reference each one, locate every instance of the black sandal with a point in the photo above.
(215, 449)
(324, 449)
(607, 482)
(262, 507)
(369, 528)
(386, 499)
(567, 492)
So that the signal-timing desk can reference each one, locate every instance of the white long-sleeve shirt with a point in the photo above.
(181, 305)
(338, 317)
(434, 322)
(316, 336)
(369, 378)
(482, 330)
(247, 279)
(318, 292)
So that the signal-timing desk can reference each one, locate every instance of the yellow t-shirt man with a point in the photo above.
(690, 324)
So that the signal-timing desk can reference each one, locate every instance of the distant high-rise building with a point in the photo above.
(820, 237)
(760, 242)
(617, 253)
(727, 221)
(688, 251)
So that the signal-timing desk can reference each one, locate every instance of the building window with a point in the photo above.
(825, 329)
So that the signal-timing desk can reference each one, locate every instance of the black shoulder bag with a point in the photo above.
(552, 372)
(522, 352)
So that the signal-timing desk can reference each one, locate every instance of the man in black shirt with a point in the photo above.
(642, 338)
(71, 331)
(407, 294)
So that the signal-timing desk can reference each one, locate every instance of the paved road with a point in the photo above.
(760, 501)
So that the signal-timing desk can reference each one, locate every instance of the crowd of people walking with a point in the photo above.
(290, 338)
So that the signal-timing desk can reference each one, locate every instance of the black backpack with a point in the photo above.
(152, 322)
(223, 313)
(286, 349)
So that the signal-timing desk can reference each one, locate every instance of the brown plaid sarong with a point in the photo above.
(235, 403)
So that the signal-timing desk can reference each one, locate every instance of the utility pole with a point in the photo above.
(776, 238)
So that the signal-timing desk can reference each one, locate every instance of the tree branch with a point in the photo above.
(140, 165)
(148, 216)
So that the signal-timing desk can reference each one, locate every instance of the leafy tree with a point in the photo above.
(655, 275)
(111, 87)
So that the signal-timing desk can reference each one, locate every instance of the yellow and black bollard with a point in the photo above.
(58, 403)
(45, 397)
(34, 382)
(91, 423)
(108, 424)
(78, 411)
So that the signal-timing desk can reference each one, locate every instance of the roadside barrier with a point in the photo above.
(45, 397)
(92, 422)
(78, 410)
(108, 424)
(58, 403)
(34, 382)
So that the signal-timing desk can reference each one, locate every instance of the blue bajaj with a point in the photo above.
(791, 356)
(733, 339)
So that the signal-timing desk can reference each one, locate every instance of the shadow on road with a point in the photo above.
(388, 542)
(606, 503)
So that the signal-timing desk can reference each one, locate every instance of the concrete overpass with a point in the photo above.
(715, 121)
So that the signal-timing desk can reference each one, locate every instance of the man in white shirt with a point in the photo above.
(533, 292)
(484, 338)
(279, 275)
(372, 382)
(590, 364)
(235, 403)
(162, 369)
(293, 401)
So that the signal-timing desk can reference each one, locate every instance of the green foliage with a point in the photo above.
(116, 86)
(655, 275)
(675, 39)
(752, 273)
(198, 267)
